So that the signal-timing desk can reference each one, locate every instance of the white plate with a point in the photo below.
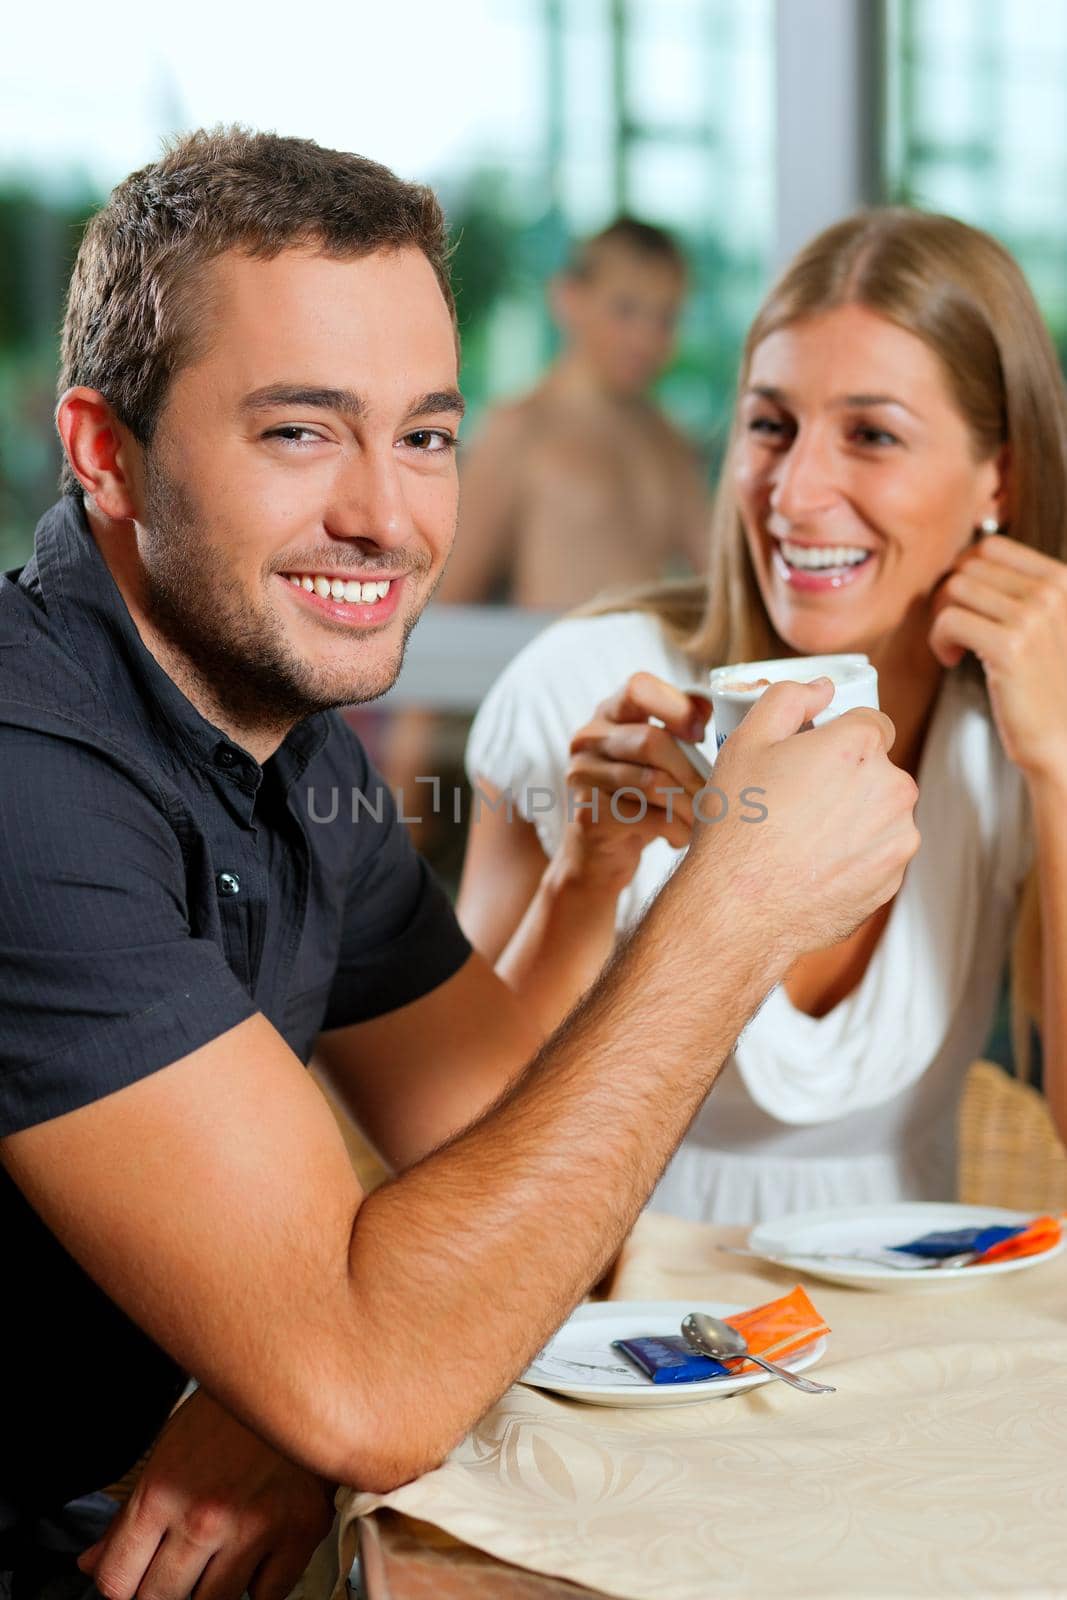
(855, 1228)
(569, 1363)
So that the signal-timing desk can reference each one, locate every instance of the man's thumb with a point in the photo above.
(787, 707)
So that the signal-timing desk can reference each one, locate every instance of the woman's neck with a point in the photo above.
(909, 677)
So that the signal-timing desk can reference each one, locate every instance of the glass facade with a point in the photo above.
(977, 126)
(662, 108)
(536, 120)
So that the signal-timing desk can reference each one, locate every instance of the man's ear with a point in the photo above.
(99, 449)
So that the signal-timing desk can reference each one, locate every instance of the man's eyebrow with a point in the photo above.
(299, 394)
(843, 402)
(437, 400)
(345, 401)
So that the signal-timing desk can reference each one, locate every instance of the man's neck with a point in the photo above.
(571, 377)
(117, 543)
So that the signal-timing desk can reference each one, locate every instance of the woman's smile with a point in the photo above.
(815, 568)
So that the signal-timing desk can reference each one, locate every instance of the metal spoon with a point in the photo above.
(714, 1338)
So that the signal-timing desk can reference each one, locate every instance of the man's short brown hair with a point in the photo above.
(135, 304)
(627, 236)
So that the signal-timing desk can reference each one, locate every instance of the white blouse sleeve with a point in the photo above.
(520, 739)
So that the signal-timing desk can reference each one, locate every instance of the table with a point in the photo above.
(936, 1470)
(404, 1560)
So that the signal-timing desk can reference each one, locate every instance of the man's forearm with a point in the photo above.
(419, 1305)
(484, 1247)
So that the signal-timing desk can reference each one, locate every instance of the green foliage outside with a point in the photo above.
(38, 242)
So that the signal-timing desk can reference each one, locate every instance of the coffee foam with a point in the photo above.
(752, 677)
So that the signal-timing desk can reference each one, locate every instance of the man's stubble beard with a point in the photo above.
(236, 664)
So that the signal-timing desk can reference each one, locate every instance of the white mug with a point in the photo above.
(735, 689)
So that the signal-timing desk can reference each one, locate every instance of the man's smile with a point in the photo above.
(356, 602)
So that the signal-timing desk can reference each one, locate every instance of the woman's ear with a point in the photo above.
(1003, 507)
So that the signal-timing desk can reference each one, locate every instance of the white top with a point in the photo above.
(858, 1106)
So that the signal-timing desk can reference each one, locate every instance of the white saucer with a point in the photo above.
(858, 1228)
(578, 1361)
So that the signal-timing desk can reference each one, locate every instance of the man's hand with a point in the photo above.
(839, 830)
(215, 1509)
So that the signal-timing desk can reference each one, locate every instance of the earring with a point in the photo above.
(989, 525)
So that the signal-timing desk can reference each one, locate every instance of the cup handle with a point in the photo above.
(696, 758)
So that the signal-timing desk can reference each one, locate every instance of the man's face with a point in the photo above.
(623, 319)
(301, 488)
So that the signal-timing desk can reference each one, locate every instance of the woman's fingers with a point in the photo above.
(632, 830)
(628, 782)
(1000, 551)
(957, 629)
(985, 599)
(621, 786)
(997, 593)
(638, 745)
(644, 695)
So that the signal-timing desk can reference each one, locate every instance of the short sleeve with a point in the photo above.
(102, 980)
(399, 935)
(520, 739)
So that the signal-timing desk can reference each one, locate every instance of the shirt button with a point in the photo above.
(228, 883)
(225, 757)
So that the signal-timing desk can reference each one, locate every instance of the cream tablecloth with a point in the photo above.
(938, 1469)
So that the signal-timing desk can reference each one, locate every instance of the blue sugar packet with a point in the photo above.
(954, 1243)
(668, 1359)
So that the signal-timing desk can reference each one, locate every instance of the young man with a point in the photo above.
(258, 410)
(583, 484)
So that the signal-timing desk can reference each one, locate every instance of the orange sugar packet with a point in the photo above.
(779, 1327)
(1039, 1235)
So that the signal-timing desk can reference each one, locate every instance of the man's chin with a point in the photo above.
(365, 681)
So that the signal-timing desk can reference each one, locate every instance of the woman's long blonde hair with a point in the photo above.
(965, 297)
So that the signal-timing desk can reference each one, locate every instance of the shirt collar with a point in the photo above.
(70, 579)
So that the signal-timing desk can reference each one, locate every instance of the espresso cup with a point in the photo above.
(735, 689)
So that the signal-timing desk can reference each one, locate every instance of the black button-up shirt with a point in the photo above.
(159, 887)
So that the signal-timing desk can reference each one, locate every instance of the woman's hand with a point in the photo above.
(628, 782)
(1008, 604)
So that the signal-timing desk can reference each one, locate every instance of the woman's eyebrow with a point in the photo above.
(843, 402)
(858, 401)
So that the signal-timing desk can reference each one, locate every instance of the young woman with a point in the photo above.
(896, 483)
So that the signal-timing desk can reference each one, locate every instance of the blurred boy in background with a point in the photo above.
(583, 484)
